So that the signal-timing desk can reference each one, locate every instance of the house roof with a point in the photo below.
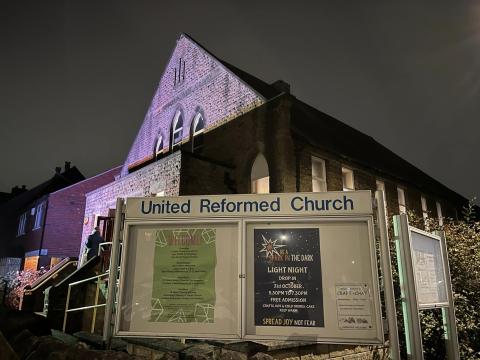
(56, 182)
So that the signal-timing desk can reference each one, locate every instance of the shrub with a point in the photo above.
(463, 246)
(16, 283)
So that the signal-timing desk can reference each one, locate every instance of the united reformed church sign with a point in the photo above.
(274, 266)
(332, 203)
(226, 206)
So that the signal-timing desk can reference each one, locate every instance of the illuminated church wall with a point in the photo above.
(193, 81)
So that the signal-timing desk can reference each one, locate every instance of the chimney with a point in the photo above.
(67, 165)
(281, 86)
(16, 190)
(58, 169)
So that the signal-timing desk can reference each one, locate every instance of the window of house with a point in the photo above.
(439, 213)
(260, 177)
(424, 208)
(198, 127)
(402, 206)
(347, 179)
(177, 129)
(21, 224)
(38, 216)
(319, 179)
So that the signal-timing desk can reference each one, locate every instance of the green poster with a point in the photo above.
(184, 276)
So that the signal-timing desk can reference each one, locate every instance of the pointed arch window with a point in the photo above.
(198, 128)
(177, 130)
(158, 146)
(260, 176)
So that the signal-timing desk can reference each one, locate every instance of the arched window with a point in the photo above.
(177, 130)
(260, 176)
(158, 146)
(198, 127)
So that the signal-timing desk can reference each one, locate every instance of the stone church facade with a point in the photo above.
(213, 129)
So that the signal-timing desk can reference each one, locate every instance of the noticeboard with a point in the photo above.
(429, 269)
(233, 275)
(313, 279)
(181, 277)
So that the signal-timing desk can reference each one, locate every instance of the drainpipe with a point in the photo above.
(43, 227)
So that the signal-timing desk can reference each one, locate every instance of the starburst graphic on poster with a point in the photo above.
(208, 235)
(178, 317)
(160, 239)
(204, 313)
(270, 247)
(157, 309)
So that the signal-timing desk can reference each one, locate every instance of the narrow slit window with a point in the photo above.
(439, 213)
(260, 177)
(159, 145)
(347, 179)
(198, 128)
(424, 209)
(319, 179)
(177, 129)
(402, 206)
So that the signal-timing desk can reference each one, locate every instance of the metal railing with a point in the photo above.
(102, 244)
(95, 306)
(49, 274)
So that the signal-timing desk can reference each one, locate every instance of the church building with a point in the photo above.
(212, 128)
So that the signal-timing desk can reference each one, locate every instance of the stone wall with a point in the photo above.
(162, 175)
(207, 87)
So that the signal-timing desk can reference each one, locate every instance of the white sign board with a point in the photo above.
(429, 269)
(251, 266)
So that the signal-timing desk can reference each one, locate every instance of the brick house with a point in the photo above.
(45, 223)
(211, 128)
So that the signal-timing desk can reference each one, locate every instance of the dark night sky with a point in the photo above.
(76, 77)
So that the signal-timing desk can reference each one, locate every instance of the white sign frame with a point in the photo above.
(128, 225)
(374, 273)
(364, 212)
(433, 237)
(408, 286)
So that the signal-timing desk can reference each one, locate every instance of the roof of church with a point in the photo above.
(260, 86)
(329, 134)
(332, 135)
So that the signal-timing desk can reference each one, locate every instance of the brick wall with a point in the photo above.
(234, 146)
(32, 239)
(364, 179)
(334, 175)
(162, 175)
(66, 209)
(208, 87)
(214, 177)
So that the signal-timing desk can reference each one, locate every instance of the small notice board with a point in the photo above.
(429, 269)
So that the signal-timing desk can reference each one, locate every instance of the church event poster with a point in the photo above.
(184, 275)
(288, 277)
